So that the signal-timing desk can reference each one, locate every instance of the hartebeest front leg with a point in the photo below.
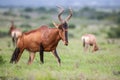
(31, 57)
(56, 55)
(13, 41)
(86, 47)
(93, 48)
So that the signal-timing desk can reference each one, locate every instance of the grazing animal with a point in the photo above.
(89, 40)
(42, 39)
(15, 33)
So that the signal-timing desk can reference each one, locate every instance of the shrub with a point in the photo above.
(43, 17)
(28, 9)
(25, 26)
(9, 13)
(114, 32)
(70, 35)
(25, 16)
(3, 34)
(72, 26)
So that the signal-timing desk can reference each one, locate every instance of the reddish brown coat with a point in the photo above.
(42, 39)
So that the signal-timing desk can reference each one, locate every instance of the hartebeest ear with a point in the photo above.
(56, 25)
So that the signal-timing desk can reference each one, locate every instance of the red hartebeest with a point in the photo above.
(42, 39)
(14, 32)
(89, 40)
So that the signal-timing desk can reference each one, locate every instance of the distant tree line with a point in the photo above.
(85, 12)
(40, 10)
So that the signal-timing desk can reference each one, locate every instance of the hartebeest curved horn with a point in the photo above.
(70, 15)
(12, 22)
(60, 13)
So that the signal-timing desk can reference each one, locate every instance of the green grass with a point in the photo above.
(76, 64)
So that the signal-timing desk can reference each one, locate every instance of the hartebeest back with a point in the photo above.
(42, 39)
(14, 32)
(89, 40)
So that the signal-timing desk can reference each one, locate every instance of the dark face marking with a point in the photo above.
(64, 33)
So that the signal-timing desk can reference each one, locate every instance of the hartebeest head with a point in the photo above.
(63, 26)
(14, 32)
(11, 27)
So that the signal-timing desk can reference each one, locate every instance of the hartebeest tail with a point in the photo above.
(89, 40)
(15, 54)
(14, 32)
(42, 39)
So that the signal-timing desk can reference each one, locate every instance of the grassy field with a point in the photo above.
(76, 64)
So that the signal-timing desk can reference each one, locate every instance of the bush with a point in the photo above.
(25, 16)
(114, 32)
(26, 26)
(43, 17)
(72, 26)
(9, 13)
(70, 35)
(3, 34)
(41, 9)
(28, 9)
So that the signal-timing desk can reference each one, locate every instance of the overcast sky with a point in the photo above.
(37, 3)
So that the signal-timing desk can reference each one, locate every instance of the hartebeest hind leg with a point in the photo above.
(31, 57)
(15, 55)
(56, 55)
(41, 56)
(41, 53)
(19, 55)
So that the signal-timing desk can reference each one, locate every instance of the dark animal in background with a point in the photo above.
(42, 39)
(15, 33)
(89, 40)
